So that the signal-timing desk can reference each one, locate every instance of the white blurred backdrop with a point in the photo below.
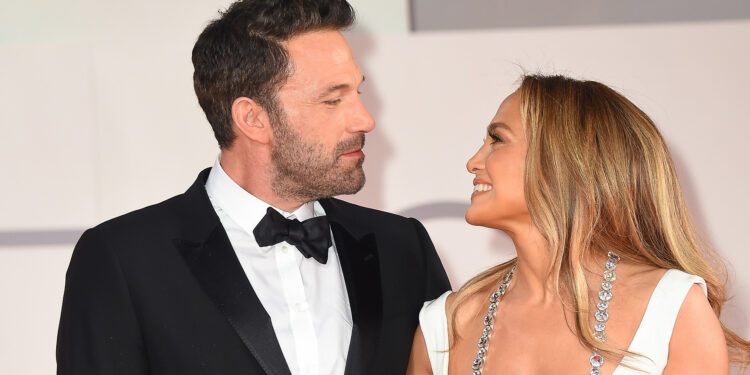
(98, 117)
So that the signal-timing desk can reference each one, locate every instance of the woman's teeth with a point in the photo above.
(482, 187)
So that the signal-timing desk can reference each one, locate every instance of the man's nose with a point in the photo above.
(361, 120)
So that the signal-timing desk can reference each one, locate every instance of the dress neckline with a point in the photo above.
(651, 337)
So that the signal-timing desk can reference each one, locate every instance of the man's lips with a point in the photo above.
(354, 153)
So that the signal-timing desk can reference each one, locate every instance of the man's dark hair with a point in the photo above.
(240, 53)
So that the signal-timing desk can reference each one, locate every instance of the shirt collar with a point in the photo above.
(244, 208)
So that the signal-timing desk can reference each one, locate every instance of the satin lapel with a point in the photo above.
(210, 256)
(220, 274)
(361, 268)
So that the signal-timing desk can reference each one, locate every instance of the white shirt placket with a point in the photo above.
(288, 262)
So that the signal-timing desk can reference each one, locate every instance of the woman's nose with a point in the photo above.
(476, 162)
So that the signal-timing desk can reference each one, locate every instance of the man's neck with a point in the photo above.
(256, 180)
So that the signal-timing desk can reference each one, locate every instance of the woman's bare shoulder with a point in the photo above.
(697, 323)
(419, 360)
(469, 304)
(466, 308)
(638, 279)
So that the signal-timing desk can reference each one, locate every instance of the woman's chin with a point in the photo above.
(475, 218)
(491, 220)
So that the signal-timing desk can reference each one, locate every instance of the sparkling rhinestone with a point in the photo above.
(601, 316)
(482, 352)
(610, 265)
(594, 371)
(605, 295)
(476, 364)
(602, 305)
(599, 327)
(493, 307)
(607, 285)
(494, 297)
(596, 360)
(613, 256)
(601, 336)
(610, 275)
(487, 330)
(482, 342)
(487, 320)
(476, 372)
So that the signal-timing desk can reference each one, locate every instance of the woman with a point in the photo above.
(610, 277)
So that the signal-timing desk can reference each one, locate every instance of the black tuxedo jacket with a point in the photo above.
(160, 291)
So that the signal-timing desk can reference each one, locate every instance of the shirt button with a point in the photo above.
(284, 249)
(300, 306)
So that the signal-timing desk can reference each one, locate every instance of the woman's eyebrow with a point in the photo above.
(498, 124)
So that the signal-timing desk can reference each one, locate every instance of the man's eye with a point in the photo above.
(332, 102)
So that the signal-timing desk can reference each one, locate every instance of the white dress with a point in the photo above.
(651, 338)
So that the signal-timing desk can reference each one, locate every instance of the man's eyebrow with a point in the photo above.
(335, 88)
(498, 124)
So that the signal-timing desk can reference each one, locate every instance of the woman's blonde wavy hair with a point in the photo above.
(599, 177)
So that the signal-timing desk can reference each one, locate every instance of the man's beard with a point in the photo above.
(307, 171)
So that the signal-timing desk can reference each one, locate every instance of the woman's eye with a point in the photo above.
(495, 138)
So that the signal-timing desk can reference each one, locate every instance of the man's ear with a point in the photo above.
(251, 120)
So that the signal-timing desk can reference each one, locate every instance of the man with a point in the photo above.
(255, 269)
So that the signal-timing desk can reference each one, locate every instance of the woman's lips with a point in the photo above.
(480, 188)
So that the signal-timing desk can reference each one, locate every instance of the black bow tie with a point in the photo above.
(311, 237)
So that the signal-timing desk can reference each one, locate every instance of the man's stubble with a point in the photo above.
(307, 171)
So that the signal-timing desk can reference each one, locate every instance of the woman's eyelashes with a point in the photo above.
(494, 138)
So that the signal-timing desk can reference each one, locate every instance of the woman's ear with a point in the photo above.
(250, 120)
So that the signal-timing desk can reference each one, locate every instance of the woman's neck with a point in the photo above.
(532, 281)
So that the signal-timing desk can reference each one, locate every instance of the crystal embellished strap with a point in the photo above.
(602, 315)
(489, 322)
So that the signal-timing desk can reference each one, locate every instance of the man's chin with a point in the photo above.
(353, 184)
(326, 183)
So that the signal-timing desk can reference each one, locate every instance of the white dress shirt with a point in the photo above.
(306, 300)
